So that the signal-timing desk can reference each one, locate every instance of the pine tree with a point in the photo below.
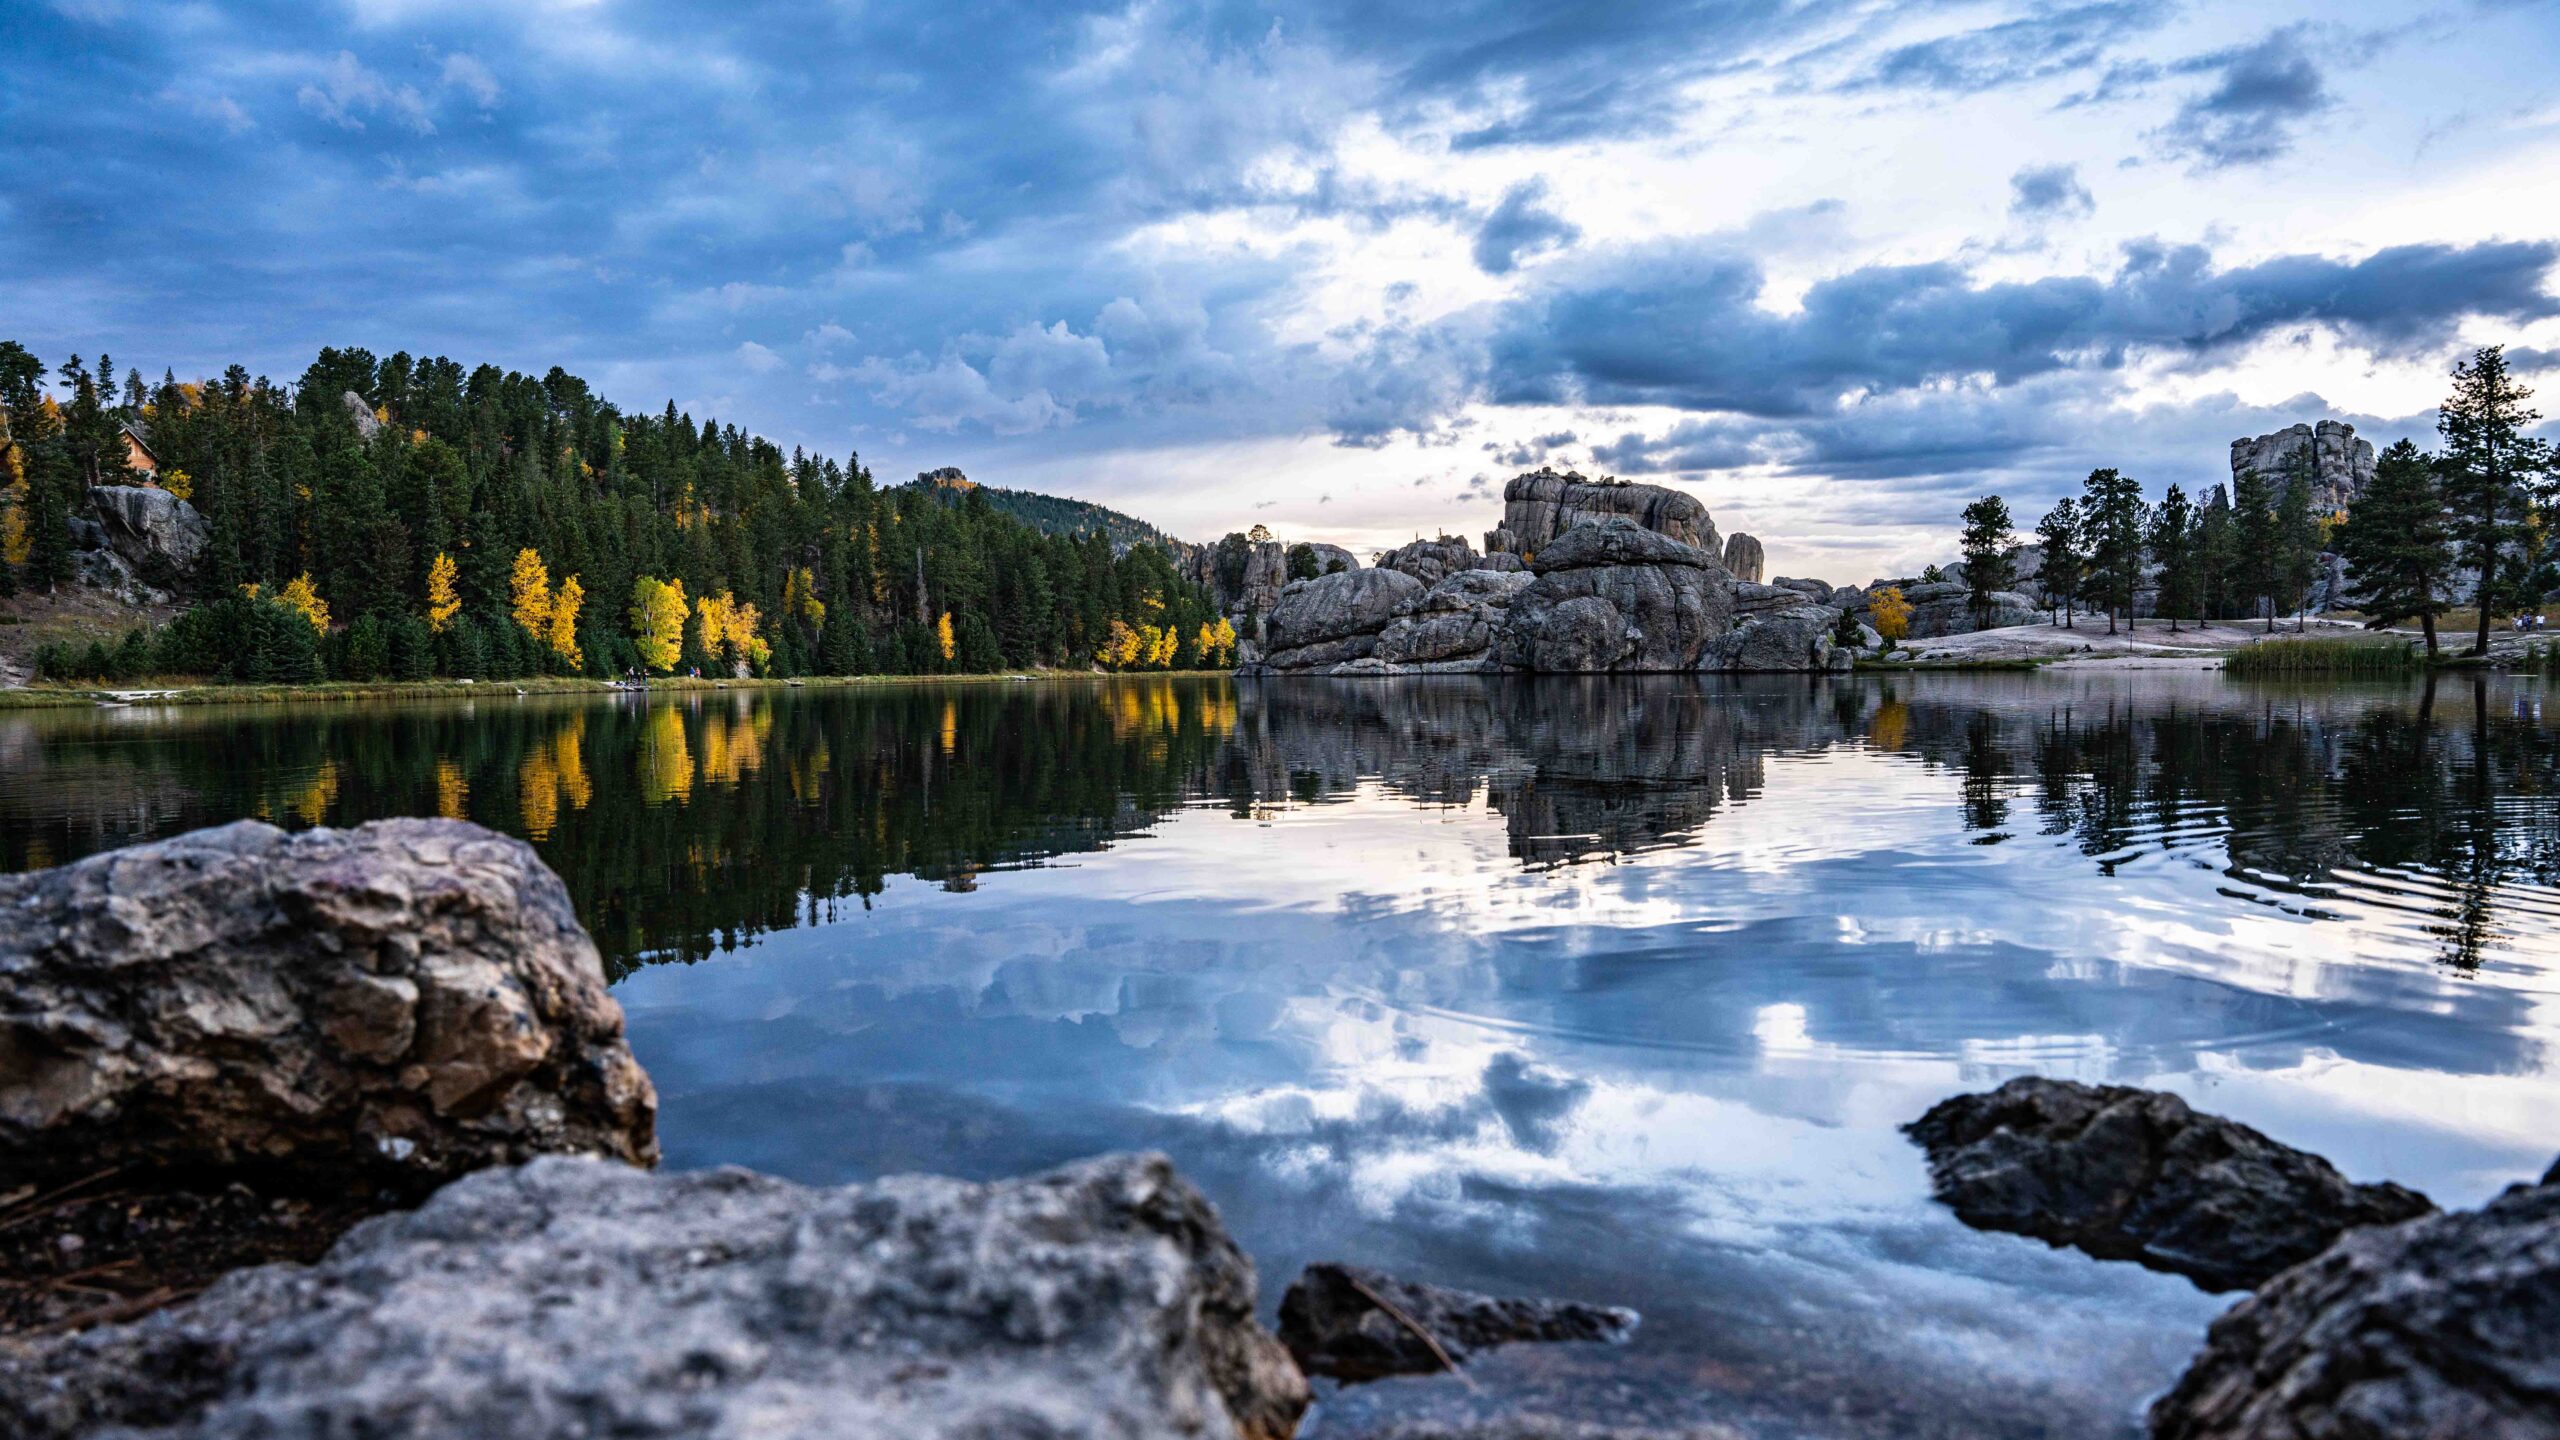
(2397, 545)
(2256, 544)
(1990, 556)
(2297, 540)
(2213, 557)
(2112, 507)
(2059, 532)
(2484, 470)
(2172, 543)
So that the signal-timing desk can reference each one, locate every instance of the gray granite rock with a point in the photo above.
(1543, 504)
(2129, 1174)
(390, 1005)
(1357, 1324)
(1744, 557)
(1614, 596)
(580, 1298)
(1798, 638)
(160, 535)
(2438, 1327)
(1431, 561)
(1332, 608)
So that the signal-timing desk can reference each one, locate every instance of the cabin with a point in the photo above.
(138, 455)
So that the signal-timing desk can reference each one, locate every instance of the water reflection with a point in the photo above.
(1606, 988)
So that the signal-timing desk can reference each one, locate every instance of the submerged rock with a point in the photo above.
(2128, 1174)
(1357, 1324)
(2440, 1327)
(575, 1298)
(390, 1005)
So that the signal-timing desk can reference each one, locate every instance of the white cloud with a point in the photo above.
(346, 93)
(758, 359)
(466, 74)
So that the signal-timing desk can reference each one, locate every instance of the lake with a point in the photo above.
(1614, 989)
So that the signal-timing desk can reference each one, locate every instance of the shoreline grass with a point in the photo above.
(2325, 655)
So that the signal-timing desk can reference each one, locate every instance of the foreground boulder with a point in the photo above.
(1357, 1324)
(2129, 1174)
(389, 1006)
(1796, 637)
(2440, 1327)
(575, 1298)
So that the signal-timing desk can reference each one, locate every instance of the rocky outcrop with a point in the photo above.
(575, 1298)
(1941, 608)
(1817, 591)
(158, 534)
(1456, 626)
(389, 1006)
(1333, 618)
(1432, 561)
(1744, 557)
(361, 415)
(2129, 1174)
(1793, 637)
(1357, 1324)
(1615, 596)
(2442, 1326)
(2340, 465)
(1542, 504)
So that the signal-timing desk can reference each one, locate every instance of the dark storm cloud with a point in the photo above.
(1681, 324)
(2052, 41)
(2048, 190)
(2261, 94)
(1521, 226)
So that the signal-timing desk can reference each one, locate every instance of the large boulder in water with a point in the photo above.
(1356, 1324)
(1614, 596)
(1455, 626)
(390, 1005)
(157, 533)
(2440, 1327)
(1795, 637)
(2129, 1174)
(575, 1298)
(1336, 617)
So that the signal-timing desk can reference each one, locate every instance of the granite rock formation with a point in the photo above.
(361, 415)
(1614, 595)
(2129, 1174)
(1744, 557)
(1457, 624)
(2340, 464)
(575, 1298)
(1542, 504)
(158, 534)
(1337, 1321)
(1790, 637)
(1432, 561)
(1940, 608)
(386, 1006)
(1333, 618)
(2441, 1326)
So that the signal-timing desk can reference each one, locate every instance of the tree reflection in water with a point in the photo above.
(690, 823)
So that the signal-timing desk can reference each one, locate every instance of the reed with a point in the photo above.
(2326, 656)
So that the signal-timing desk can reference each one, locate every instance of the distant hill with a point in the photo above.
(1049, 514)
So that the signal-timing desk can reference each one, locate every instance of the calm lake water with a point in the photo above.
(1614, 989)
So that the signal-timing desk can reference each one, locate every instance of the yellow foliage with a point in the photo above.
(657, 621)
(1121, 646)
(443, 603)
(530, 587)
(727, 628)
(1216, 643)
(300, 596)
(179, 483)
(666, 760)
(1892, 613)
(942, 635)
(562, 633)
(800, 597)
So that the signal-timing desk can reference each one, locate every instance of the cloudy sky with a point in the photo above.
(1833, 265)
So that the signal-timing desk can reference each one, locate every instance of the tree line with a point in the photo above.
(2470, 522)
(487, 523)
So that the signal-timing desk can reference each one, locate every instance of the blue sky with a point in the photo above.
(1833, 265)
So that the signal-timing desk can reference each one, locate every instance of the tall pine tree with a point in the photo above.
(2397, 546)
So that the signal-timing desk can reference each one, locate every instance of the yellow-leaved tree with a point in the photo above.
(1216, 644)
(300, 596)
(942, 636)
(562, 633)
(1892, 614)
(530, 589)
(1121, 646)
(800, 597)
(443, 602)
(727, 628)
(657, 621)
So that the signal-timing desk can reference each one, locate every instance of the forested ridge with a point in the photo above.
(486, 522)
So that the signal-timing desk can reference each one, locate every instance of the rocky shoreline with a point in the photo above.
(404, 1021)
